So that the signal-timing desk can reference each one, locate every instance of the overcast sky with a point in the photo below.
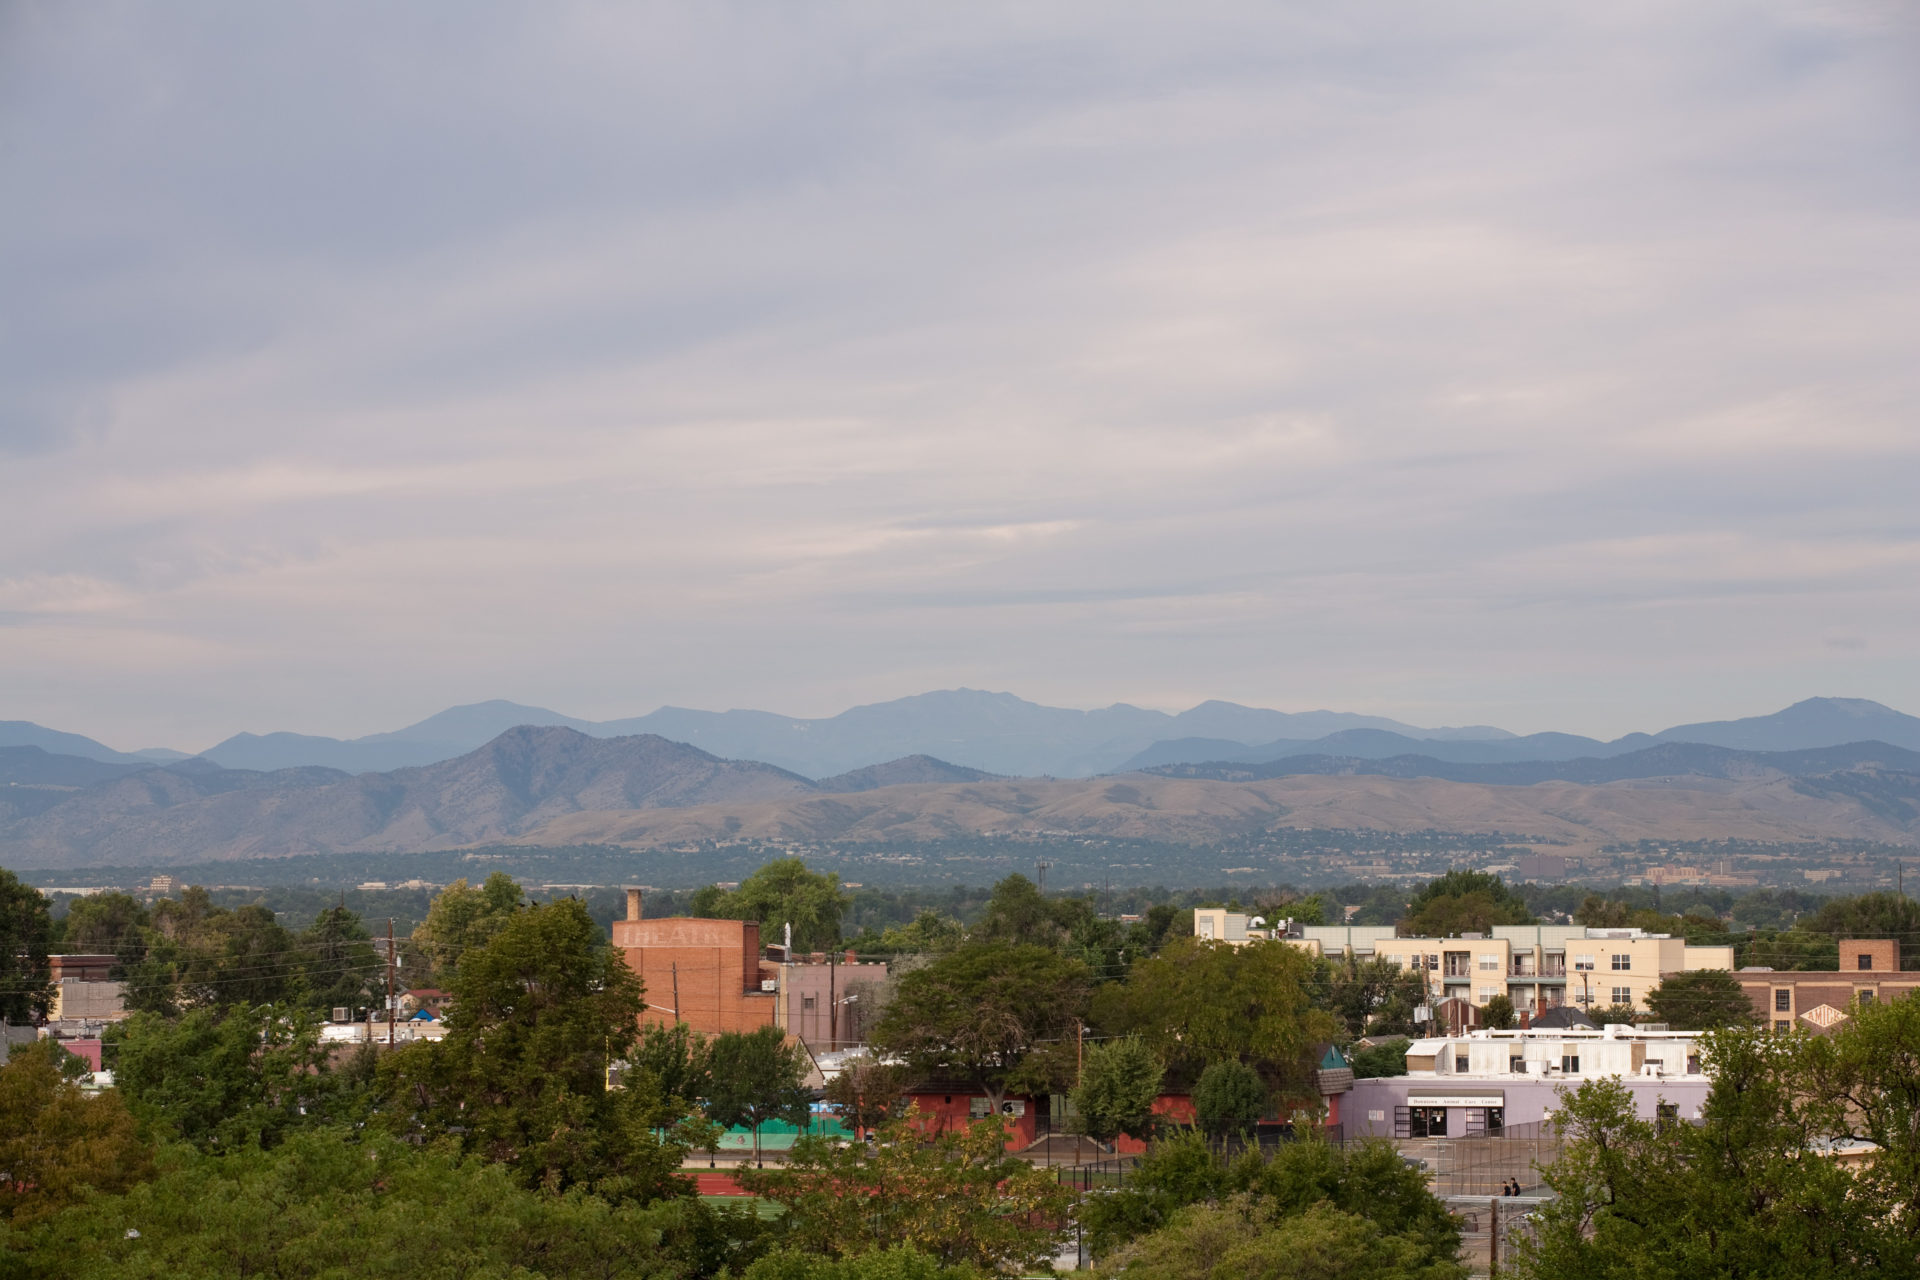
(1545, 365)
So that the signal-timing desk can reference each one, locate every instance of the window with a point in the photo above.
(1583, 962)
(1866, 997)
(1693, 1064)
(1427, 1122)
(1780, 1024)
(1491, 963)
(1622, 963)
(1783, 1001)
(1570, 1063)
(1865, 961)
(1460, 1063)
(1488, 993)
(1517, 1065)
(1623, 995)
(1666, 1115)
(806, 1002)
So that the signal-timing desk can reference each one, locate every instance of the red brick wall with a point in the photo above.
(946, 1112)
(714, 963)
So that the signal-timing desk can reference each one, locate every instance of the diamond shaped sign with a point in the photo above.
(1824, 1016)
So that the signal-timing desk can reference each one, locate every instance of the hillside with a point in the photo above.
(522, 779)
(1199, 810)
(1668, 759)
(899, 772)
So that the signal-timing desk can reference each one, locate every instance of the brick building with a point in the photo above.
(714, 976)
(705, 973)
(1869, 970)
(83, 989)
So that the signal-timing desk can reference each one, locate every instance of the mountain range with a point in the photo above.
(998, 733)
(557, 785)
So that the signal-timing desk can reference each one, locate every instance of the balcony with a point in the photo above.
(1458, 964)
(1522, 967)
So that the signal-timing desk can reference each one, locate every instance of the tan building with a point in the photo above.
(1535, 966)
(82, 989)
(1869, 971)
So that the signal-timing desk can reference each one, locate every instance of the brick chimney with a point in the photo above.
(633, 903)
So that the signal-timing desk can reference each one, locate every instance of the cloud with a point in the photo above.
(1495, 364)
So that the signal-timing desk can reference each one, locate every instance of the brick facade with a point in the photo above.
(1815, 1000)
(706, 973)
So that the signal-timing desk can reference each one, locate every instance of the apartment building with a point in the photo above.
(1535, 966)
(83, 991)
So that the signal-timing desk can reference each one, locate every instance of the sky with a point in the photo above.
(1546, 366)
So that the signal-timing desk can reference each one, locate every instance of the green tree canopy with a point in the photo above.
(462, 918)
(200, 955)
(1247, 1238)
(26, 931)
(869, 1092)
(1497, 1013)
(232, 1077)
(539, 1014)
(1750, 1189)
(1370, 995)
(999, 1016)
(1229, 1098)
(1368, 1180)
(780, 893)
(1872, 915)
(324, 1206)
(1701, 1000)
(338, 965)
(1198, 1002)
(959, 1198)
(57, 1144)
(754, 1077)
(107, 924)
(1117, 1089)
(1463, 902)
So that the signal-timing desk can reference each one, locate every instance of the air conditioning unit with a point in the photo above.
(342, 1014)
(769, 984)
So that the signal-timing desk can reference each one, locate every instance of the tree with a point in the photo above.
(229, 1078)
(1379, 1060)
(1366, 1179)
(1018, 913)
(902, 1262)
(199, 955)
(1872, 915)
(1624, 1014)
(998, 1016)
(1371, 995)
(1747, 1190)
(1250, 1237)
(107, 924)
(26, 929)
(1701, 1000)
(1230, 1097)
(780, 893)
(540, 1013)
(754, 1077)
(1497, 1013)
(1463, 902)
(328, 1205)
(959, 1198)
(869, 1092)
(1198, 1002)
(675, 1058)
(337, 961)
(1118, 1088)
(462, 919)
(57, 1144)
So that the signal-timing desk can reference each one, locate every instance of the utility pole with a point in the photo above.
(833, 1005)
(389, 982)
(676, 991)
